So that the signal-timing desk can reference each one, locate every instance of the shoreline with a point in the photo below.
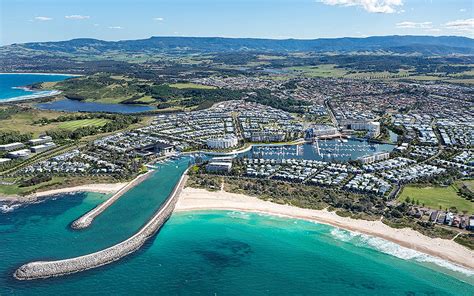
(193, 199)
(40, 73)
(51, 93)
(33, 96)
(104, 188)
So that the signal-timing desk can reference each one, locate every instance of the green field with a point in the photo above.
(146, 100)
(23, 122)
(436, 197)
(15, 189)
(101, 88)
(379, 75)
(331, 71)
(321, 71)
(75, 124)
(191, 85)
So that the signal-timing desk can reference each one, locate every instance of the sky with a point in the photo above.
(52, 20)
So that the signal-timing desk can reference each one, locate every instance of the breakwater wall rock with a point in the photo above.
(86, 220)
(46, 269)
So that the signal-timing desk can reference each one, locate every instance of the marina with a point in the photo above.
(323, 150)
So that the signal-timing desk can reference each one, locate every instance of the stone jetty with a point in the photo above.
(46, 269)
(86, 220)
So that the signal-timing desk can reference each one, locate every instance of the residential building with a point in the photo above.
(320, 131)
(40, 140)
(379, 156)
(42, 147)
(11, 146)
(22, 154)
(227, 141)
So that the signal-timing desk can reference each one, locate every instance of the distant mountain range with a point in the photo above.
(426, 45)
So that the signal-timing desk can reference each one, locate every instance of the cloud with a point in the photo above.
(77, 17)
(374, 6)
(116, 27)
(159, 19)
(414, 25)
(43, 18)
(461, 25)
(462, 10)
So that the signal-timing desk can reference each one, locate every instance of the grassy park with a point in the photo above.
(191, 85)
(23, 121)
(320, 71)
(436, 197)
(75, 124)
(16, 189)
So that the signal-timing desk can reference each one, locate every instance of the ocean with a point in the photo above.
(11, 84)
(212, 252)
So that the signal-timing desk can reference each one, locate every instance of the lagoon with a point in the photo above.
(12, 88)
(68, 105)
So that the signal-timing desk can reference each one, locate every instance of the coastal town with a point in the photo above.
(321, 147)
(369, 147)
(342, 125)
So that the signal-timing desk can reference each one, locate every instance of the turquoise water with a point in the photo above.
(41, 231)
(9, 84)
(209, 253)
(10, 89)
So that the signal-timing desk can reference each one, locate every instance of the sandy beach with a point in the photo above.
(42, 94)
(99, 188)
(200, 199)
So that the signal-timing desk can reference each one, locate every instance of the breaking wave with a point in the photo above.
(239, 215)
(393, 249)
(7, 209)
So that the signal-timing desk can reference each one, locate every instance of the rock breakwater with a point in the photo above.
(46, 269)
(86, 220)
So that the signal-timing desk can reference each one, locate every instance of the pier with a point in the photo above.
(86, 220)
(47, 269)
